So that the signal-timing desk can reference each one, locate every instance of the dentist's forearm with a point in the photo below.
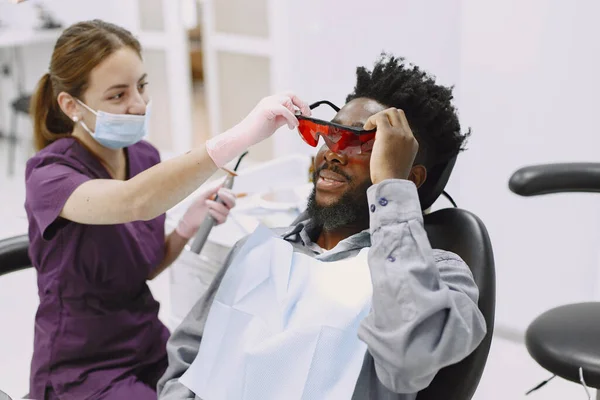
(143, 197)
(163, 186)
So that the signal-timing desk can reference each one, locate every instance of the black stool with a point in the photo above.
(566, 339)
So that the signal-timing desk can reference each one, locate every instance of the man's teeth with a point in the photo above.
(330, 180)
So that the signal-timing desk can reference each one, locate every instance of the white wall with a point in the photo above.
(528, 86)
(317, 58)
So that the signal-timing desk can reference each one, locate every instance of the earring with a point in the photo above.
(76, 119)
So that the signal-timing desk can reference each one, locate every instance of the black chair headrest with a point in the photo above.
(437, 178)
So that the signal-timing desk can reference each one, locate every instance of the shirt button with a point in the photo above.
(372, 207)
(383, 201)
(391, 259)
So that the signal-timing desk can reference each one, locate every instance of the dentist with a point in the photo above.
(96, 197)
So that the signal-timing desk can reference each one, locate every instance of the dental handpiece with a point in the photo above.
(209, 222)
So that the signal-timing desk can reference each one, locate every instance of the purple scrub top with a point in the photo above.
(97, 321)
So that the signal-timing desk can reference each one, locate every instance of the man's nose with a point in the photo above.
(332, 156)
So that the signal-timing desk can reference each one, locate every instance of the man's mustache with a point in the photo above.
(332, 168)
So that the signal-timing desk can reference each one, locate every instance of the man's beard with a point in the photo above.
(351, 208)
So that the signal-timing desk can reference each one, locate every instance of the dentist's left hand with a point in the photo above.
(204, 205)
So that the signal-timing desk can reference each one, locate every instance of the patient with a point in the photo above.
(351, 303)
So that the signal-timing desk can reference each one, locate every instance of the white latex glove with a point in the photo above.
(270, 114)
(204, 205)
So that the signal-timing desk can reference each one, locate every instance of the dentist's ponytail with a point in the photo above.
(49, 122)
(80, 49)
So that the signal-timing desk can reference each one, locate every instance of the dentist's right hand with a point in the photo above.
(270, 114)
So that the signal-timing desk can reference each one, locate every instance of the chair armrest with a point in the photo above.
(14, 254)
(541, 179)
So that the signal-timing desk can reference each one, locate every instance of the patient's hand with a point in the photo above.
(205, 205)
(395, 146)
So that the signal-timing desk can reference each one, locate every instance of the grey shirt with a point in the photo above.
(424, 313)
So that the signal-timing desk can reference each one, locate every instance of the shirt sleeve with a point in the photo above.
(424, 313)
(152, 153)
(184, 343)
(48, 187)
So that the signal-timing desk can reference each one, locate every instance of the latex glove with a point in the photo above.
(270, 114)
(204, 205)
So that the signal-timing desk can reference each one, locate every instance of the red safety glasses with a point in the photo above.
(339, 138)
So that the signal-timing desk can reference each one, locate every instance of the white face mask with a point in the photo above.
(117, 131)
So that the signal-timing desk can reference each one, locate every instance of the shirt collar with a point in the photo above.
(306, 231)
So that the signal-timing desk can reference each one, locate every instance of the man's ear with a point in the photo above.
(418, 174)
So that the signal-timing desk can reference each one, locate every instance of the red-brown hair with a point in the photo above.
(80, 49)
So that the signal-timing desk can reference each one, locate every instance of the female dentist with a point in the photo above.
(96, 195)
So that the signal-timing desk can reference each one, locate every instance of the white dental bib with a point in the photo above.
(283, 325)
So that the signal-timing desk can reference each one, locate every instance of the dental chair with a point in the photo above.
(564, 340)
(463, 233)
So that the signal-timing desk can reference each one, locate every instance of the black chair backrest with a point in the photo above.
(14, 254)
(463, 233)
